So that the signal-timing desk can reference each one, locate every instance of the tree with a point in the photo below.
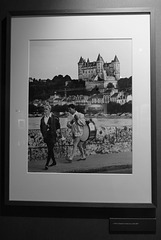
(127, 107)
(125, 84)
(110, 85)
(95, 90)
(67, 78)
(113, 108)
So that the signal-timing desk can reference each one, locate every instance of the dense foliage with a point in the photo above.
(39, 89)
(125, 84)
(113, 108)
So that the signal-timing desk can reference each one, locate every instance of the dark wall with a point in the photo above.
(37, 223)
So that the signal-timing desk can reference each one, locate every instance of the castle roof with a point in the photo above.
(81, 60)
(114, 95)
(99, 58)
(89, 64)
(107, 91)
(116, 59)
(96, 96)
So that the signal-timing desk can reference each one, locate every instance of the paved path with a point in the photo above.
(97, 163)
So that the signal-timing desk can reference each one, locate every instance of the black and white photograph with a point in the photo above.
(80, 109)
(80, 133)
(80, 106)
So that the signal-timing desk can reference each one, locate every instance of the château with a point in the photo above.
(99, 70)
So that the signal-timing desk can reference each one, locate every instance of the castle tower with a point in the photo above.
(99, 66)
(80, 65)
(116, 65)
(90, 70)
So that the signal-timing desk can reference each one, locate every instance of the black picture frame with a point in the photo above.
(112, 209)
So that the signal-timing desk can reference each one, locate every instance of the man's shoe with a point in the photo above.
(46, 167)
(82, 159)
(52, 164)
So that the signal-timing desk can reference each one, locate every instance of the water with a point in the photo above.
(34, 122)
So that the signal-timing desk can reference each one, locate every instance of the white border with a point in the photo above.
(91, 188)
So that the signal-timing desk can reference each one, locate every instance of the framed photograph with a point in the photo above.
(80, 108)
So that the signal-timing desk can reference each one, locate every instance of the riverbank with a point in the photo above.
(107, 120)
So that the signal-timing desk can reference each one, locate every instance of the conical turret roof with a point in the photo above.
(99, 58)
(116, 59)
(81, 60)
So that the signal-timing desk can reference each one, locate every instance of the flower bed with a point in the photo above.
(107, 140)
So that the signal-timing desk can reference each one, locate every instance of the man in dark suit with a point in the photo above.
(49, 127)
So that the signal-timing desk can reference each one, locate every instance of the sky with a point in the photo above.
(49, 58)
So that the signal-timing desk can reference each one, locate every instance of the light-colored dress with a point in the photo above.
(78, 124)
